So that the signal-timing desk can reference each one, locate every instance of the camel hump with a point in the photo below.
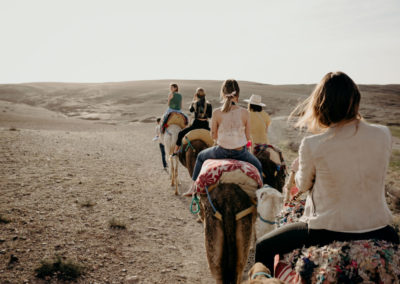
(199, 134)
(225, 171)
(246, 183)
(177, 118)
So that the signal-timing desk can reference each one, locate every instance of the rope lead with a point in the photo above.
(195, 201)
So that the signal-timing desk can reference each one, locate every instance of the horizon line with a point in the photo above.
(172, 80)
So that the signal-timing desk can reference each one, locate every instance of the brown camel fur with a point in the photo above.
(271, 175)
(227, 241)
(188, 158)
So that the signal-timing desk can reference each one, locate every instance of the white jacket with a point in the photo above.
(346, 168)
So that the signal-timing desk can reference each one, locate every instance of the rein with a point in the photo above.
(261, 273)
(216, 213)
(195, 202)
(265, 220)
(189, 145)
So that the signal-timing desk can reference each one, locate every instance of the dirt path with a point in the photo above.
(61, 188)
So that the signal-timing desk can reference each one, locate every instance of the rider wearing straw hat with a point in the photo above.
(259, 121)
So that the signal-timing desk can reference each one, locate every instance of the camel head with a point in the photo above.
(270, 203)
(274, 171)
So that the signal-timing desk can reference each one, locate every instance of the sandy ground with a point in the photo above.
(46, 182)
(64, 147)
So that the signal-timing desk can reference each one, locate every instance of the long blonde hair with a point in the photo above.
(335, 100)
(229, 90)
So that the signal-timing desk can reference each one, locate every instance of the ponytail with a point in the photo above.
(226, 107)
(229, 90)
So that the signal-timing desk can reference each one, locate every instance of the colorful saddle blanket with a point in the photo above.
(241, 173)
(198, 134)
(365, 261)
(174, 117)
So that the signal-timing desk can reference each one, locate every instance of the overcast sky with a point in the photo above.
(266, 41)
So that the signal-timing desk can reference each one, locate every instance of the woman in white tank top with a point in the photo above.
(230, 127)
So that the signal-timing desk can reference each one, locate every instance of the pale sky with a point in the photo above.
(265, 41)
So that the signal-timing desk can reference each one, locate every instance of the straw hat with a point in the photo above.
(255, 100)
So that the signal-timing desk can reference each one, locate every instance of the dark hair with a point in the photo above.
(228, 87)
(255, 108)
(336, 99)
(175, 86)
(158, 119)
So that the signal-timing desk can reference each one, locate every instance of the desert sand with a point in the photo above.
(76, 156)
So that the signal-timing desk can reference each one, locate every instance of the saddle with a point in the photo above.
(275, 154)
(215, 171)
(362, 261)
(176, 118)
(366, 261)
(197, 134)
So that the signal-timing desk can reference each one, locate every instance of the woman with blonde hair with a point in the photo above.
(344, 166)
(230, 127)
(202, 112)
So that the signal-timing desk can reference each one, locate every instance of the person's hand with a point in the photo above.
(295, 165)
(248, 145)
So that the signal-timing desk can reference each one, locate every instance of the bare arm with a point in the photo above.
(214, 125)
(247, 124)
(169, 98)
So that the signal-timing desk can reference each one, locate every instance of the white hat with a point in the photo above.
(255, 100)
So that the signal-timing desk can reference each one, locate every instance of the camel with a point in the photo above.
(273, 164)
(188, 154)
(192, 144)
(227, 240)
(269, 204)
(169, 137)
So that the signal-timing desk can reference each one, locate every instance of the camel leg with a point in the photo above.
(253, 237)
(176, 176)
(214, 239)
(244, 234)
(171, 174)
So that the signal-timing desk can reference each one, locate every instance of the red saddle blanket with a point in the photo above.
(213, 169)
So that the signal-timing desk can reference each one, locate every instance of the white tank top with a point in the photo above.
(231, 131)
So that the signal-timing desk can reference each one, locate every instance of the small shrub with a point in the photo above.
(117, 224)
(88, 203)
(4, 219)
(13, 129)
(62, 269)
